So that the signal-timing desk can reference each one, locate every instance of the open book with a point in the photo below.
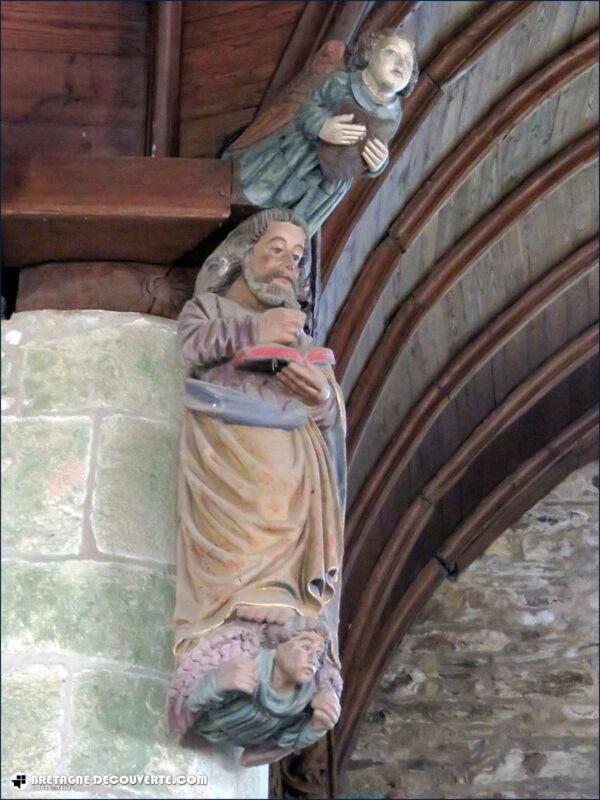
(274, 357)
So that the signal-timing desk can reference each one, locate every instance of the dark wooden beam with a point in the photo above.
(381, 482)
(318, 23)
(388, 15)
(306, 38)
(494, 21)
(513, 496)
(348, 19)
(448, 270)
(163, 107)
(575, 446)
(122, 208)
(370, 614)
(447, 179)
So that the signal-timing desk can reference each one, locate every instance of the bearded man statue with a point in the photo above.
(262, 471)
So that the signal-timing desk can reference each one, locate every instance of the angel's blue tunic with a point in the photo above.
(283, 170)
(253, 719)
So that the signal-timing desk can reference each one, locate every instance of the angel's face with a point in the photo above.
(391, 63)
(273, 265)
(299, 658)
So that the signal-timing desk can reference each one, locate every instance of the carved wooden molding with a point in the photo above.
(163, 113)
(574, 446)
(495, 20)
(447, 178)
(370, 613)
(470, 538)
(348, 19)
(449, 269)
(307, 36)
(318, 22)
(381, 481)
(388, 15)
(513, 108)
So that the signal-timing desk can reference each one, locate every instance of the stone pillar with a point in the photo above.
(91, 413)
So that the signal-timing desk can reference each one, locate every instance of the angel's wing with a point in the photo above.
(229, 641)
(285, 104)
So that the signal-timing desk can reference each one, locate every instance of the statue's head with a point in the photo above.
(271, 250)
(389, 57)
(300, 647)
(272, 265)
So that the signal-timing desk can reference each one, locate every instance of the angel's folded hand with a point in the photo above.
(341, 130)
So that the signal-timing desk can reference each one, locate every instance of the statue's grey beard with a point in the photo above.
(268, 293)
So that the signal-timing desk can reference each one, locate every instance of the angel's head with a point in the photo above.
(270, 250)
(300, 647)
(388, 60)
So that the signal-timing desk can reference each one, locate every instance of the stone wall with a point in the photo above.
(91, 412)
(494, 691)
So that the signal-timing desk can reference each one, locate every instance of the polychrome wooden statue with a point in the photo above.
(330, 125)
(261, 502)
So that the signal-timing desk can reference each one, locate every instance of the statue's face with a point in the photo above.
(391, 63)
(299, 658)
(271, 269)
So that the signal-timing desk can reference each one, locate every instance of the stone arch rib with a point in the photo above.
(419, 421)
(446, 179)
(449, 269)
(370, 614)
(576, 445)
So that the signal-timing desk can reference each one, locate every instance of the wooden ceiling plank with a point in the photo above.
(414, 428)
(491, 23)
(111, 28)
(207, 9)
(370, 614)
(248, 22)
(576, 445)
(229, 58)
(84, 89)
(448, 269)
(445, 181)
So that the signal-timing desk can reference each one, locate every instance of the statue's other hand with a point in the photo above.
(239, 674)
(326, 710)
(340, 130)
(306, 382)
(374, 153)
(280, 325)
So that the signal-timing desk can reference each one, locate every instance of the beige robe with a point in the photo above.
(260, 520)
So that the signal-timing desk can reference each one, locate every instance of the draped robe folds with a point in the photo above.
(260, 498)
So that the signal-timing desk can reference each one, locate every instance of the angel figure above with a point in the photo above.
(331, 124)
(261, 498)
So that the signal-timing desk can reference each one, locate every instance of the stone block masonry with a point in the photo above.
(92, 405)
(494, 690)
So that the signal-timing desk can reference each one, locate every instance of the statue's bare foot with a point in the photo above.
(263, 614)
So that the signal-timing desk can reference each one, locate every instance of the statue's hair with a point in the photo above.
(275, 634)
(360, 54)
(227, 261)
